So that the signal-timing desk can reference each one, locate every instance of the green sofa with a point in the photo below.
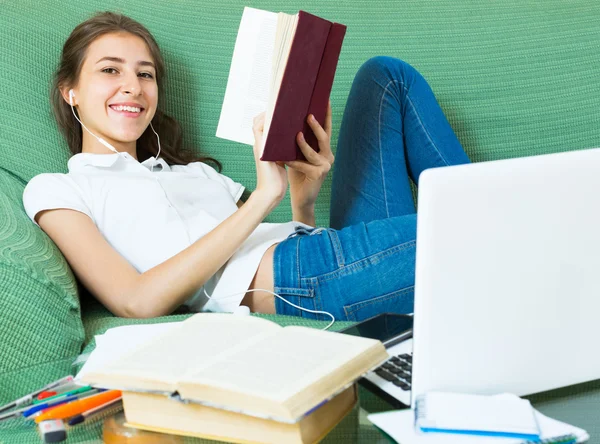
(515, 78)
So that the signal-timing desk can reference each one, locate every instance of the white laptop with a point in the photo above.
(507, 291)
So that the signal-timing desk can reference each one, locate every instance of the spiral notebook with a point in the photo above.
(399, 425)
(457, 413)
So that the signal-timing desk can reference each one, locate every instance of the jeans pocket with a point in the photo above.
(291, 298)
(400, 301)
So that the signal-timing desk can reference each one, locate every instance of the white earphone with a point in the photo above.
(104, 142)
(243, 310)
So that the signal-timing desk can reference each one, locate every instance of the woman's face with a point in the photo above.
(106, 82)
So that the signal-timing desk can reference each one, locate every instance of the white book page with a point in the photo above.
(279, 365)
(247, 91)
(190, 345)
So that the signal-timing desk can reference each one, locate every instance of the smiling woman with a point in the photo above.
(105, 51)
(145, 241)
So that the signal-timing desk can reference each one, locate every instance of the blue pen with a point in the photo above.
(28, 398)
(36, 408)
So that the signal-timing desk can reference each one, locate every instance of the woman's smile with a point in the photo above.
(127, 111)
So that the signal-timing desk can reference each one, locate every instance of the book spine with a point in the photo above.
(296, 88)
(324, 83)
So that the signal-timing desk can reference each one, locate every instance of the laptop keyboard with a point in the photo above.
(397, 370)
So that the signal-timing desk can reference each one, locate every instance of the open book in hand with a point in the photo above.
(232, 369)
(283, 65)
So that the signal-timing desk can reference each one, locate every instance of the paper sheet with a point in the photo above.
(120, 341)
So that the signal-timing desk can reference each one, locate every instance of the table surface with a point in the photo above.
(578, 405)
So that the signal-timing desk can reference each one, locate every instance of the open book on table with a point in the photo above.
(284, 65)
(247, 365)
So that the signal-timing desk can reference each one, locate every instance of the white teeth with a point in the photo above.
(131, 109)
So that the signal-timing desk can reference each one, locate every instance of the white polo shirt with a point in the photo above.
(150, 216)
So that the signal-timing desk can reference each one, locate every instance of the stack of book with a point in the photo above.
(240, 379)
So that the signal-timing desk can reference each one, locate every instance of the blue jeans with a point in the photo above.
(393, 128)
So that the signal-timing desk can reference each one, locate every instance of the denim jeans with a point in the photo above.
(393, 128)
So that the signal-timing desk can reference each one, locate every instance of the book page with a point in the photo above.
(285, 363)
(247, 91)
(193, 344)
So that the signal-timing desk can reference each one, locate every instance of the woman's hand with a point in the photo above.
(307, 177)
(271, 177)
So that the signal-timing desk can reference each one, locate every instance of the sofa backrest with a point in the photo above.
(515, 78)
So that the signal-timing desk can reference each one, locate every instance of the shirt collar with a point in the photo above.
(81, 160)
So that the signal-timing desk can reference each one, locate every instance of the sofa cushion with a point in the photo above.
(514, 78)
(40, 321)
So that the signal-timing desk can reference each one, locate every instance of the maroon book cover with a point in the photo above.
(305, 86)
(320, 96)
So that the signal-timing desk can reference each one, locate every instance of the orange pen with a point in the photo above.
(79, 406)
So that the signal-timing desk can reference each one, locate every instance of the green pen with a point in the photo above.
(77, 391)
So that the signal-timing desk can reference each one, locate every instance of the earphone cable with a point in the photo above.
(284, 300)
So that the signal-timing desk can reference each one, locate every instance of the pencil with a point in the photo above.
(77, 407)
(28, 398)
(98, 411)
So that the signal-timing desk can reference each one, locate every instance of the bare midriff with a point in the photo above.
(261, 301)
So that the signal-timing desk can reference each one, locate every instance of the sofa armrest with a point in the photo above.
(40, 321)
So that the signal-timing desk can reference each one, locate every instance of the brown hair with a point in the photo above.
(67, 74)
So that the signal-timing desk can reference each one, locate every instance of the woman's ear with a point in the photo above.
(64, 92)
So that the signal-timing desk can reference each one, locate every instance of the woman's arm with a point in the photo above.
(304, 215)
(163, 288)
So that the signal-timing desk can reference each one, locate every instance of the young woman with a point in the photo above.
(148, 227)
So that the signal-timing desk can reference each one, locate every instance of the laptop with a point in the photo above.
(508, 275)
(507, 288)
(392, 379)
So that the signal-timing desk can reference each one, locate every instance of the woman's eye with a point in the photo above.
(147, 75)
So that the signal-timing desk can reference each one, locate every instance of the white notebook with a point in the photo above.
(400, 426)
(507, 416)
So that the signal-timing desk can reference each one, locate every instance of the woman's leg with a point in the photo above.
(392, 128)
(353, 273)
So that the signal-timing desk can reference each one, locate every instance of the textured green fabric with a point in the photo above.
(515, 78)
(40, 322)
